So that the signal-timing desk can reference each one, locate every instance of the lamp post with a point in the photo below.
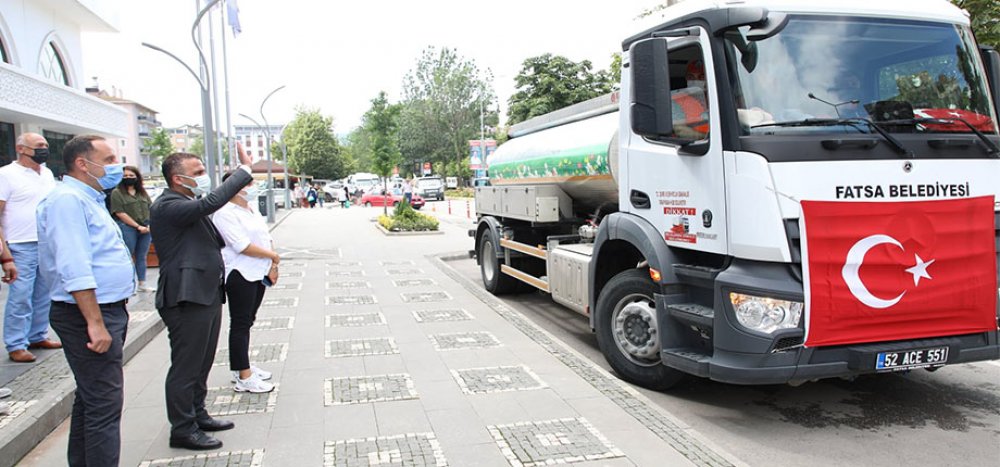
(284, 161)
(205, 84)
(267, 148)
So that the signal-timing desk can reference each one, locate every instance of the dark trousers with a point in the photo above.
(194, 335)
(245, 298)
(95, 426)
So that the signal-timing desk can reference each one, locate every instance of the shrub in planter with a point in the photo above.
(405, 219)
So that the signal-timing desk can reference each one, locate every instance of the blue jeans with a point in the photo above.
(26, 317)
(138, 247)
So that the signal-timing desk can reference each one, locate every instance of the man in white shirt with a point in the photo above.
(23, 184)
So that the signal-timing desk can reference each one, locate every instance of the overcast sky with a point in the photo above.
(337, 55)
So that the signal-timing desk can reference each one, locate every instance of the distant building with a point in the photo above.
(183, 136)
(133, 148)
(41, 68)
(253, 140)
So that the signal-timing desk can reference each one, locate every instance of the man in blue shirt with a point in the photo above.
(88, 266)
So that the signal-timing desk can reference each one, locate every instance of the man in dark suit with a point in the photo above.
(190, 292)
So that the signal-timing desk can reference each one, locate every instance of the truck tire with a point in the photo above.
(495, 282)
(627, 331)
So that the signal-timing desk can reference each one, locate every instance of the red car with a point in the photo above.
(376, 198)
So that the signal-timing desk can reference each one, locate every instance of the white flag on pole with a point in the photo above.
(233, 10)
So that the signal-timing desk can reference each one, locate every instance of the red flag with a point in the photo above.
(884, 271)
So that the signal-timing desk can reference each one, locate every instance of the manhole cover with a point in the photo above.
(365, 389)
(552, 442)
(497, 379)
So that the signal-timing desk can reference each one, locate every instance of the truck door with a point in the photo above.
(681, 192)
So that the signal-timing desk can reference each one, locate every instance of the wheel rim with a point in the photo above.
(489, 261)
(635, 330)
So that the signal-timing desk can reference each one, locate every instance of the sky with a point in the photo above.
(337, 55)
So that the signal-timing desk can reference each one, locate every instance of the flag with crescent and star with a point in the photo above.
(886, 271)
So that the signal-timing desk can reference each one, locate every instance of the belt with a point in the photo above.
(74, 305)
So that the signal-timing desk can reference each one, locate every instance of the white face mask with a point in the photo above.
(697, 83)
(203, 184)
(251, 193)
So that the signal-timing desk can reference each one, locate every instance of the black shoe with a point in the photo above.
(214, 424)
(197, 441)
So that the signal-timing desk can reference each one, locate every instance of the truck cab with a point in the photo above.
(804, 190)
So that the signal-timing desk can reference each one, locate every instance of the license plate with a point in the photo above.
(908, 359)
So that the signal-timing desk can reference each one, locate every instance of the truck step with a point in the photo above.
(700, 316)
(701, 276)
(687, 359)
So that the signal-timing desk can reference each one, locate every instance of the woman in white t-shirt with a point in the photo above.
(251, 266)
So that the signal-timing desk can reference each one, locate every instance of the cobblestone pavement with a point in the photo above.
(381, 357)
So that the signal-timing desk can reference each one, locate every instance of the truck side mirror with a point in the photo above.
(991, 61)
(650, 104)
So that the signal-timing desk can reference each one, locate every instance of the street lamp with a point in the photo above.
(205, 84)
(270, 177)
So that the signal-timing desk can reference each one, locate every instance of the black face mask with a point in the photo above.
(41, 155)
(130, 181)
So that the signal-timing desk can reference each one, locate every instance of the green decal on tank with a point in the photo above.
(575, 162)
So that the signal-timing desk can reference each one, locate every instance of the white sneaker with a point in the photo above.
(260, 373)
(4, 408)
(253, 384)
(5, 393)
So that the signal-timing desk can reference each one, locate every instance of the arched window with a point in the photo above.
(51, 65)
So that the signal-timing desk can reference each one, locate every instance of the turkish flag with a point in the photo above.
(885, 271)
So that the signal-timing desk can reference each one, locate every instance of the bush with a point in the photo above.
(405, 219)
(464, 192)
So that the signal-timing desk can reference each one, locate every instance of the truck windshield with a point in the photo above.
(913, 76)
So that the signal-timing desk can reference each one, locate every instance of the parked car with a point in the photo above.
(332, 190)
(429, 188)
(378, 198)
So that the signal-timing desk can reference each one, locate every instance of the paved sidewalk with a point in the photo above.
(382, 355)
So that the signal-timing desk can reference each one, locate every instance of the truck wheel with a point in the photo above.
(495, 282)
(627, 331)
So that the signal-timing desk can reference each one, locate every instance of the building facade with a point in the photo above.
(254, 140)
(183, 136)
(133, 148)
(41, 74)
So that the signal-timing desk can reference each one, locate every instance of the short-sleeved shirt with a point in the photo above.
(22, 189)
(240, 227)
(137, 207)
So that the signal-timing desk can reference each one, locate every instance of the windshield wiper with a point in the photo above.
(991, 147)
(852, 122)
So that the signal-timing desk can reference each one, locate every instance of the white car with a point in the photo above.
(429, 188)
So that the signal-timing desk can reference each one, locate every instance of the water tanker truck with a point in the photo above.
(780, 192)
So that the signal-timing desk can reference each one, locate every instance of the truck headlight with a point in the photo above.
(765, 314)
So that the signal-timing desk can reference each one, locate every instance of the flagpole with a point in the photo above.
(220, 162)
(225, 77)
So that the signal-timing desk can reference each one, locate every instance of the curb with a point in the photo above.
(29, 429)
(694, 446)
(407, 234)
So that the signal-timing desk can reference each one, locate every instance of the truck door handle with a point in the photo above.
(639, 199)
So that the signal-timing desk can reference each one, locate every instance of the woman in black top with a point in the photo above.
(130, 207)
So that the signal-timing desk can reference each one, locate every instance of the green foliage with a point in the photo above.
(615, 69)
(159, 146)
(381, 123)
(443, 98)
(464, 192)
(405, 219)
(985, 20)
(198, 147)
(313, 148)
(550, 82)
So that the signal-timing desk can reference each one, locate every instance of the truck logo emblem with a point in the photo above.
(856, 257)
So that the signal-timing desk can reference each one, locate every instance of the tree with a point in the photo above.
(198, 147)
(985, 20)
(550, 82)
(443, 98)
(159, 146)
(313, 148)
(381, 122)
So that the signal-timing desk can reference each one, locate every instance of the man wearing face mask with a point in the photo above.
(190, 293)
(23, 184)
(90, 271)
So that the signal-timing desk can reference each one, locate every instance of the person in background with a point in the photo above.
(320, 194)
(130, 205)
(342, 196)
(190, 291)
(311, 196)
(23, 184)
(299, 195)
(9, 275)
(250, 263)
(88, 266)
(408, 191)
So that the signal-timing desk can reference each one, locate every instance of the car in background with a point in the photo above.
(332, 190)
(429, 188)
(377, 198)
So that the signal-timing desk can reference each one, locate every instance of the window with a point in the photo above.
(7, 139)
(261, 153)
(689, 93)
(3, 52)
(51, 65)
(260, 141)
(247, 144)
